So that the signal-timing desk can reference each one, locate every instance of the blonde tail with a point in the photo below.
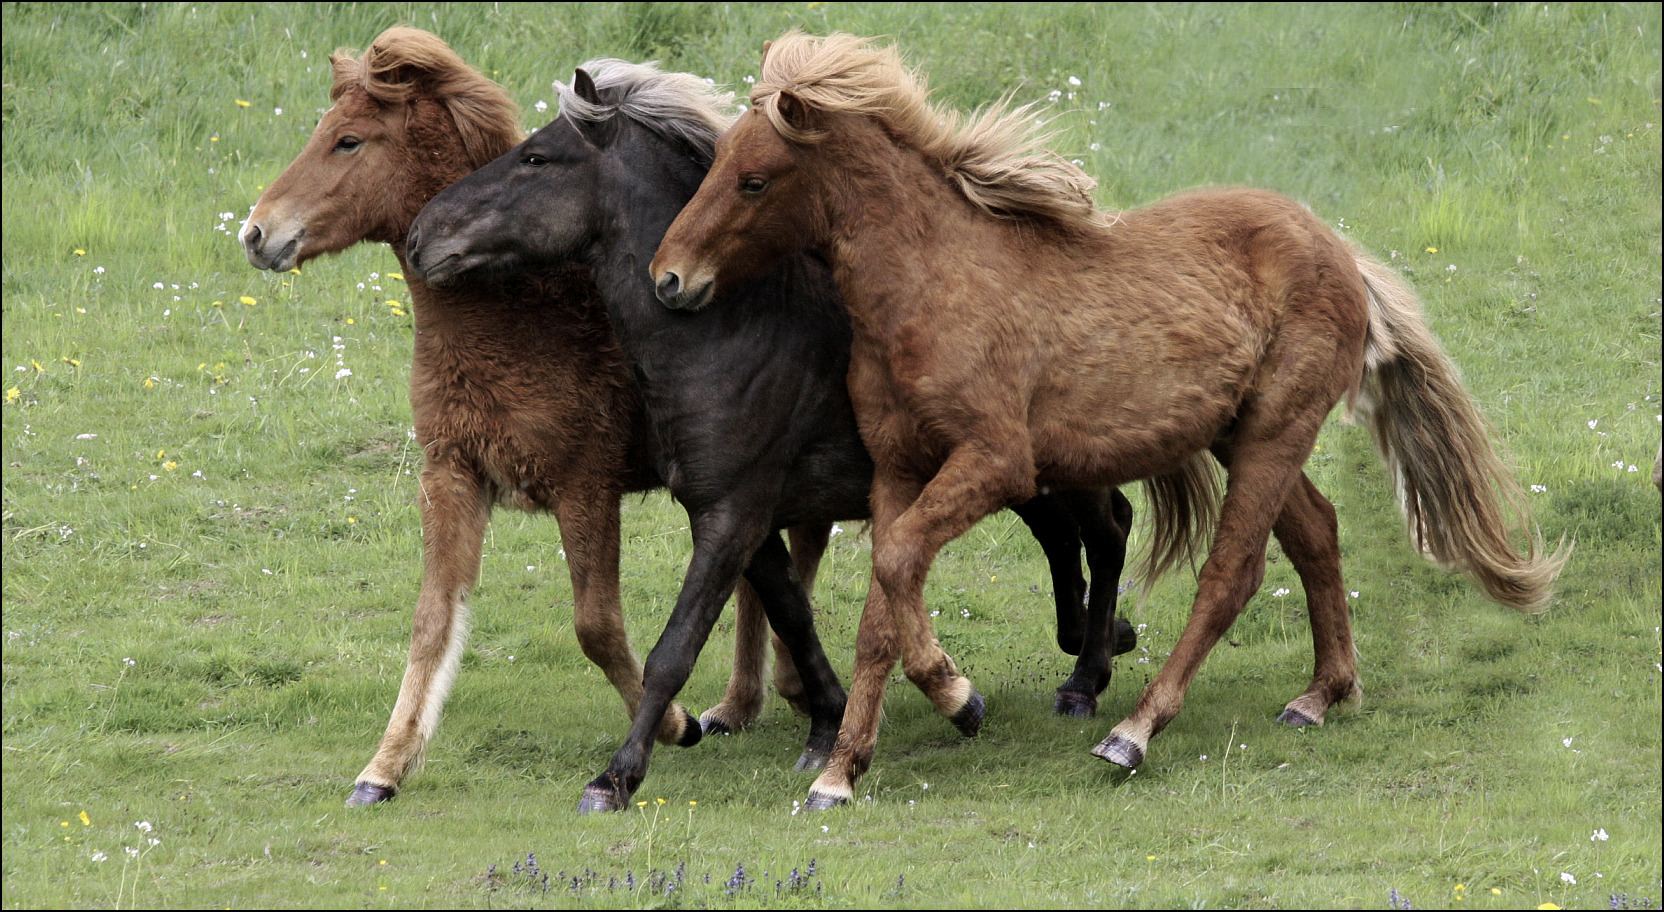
(1460, 501)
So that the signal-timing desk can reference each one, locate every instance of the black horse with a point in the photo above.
(750, 417)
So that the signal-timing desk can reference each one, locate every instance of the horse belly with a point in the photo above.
(1096, 422)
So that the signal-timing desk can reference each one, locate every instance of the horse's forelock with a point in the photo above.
(676, 105)
(402, 62)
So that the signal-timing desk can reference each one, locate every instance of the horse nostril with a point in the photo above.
(251, 237)
(669, 287)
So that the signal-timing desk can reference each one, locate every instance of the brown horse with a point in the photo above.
(520, 392)
(1010, 337)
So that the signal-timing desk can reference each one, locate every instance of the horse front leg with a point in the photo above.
(808, 546)
(908, 532)
(1103, 518)
(455, 510)
(743, 701)
(722, 544)
(589, 527)
(774, 574)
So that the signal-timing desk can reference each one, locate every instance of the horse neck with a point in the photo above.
(637, 213)
(881, 207)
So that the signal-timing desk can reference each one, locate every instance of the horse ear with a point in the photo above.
(795, 111)
(583, 85)
(767, 46)
(597, 133)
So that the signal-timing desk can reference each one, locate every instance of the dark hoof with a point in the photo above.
(692, 731)
(1119, 751)
(715, 727)
(1075, 704)
(600, 798)
(812, 759)
(969, 717)
(821, 802)
(1126, 637)
(365, 794)
(1296, 718)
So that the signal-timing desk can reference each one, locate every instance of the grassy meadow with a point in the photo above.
(211, 544)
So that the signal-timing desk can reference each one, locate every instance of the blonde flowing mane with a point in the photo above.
(403, 61)
(996, 156)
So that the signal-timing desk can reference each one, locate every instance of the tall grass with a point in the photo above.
(211, 546)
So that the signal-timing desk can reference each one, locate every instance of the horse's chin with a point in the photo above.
(447, 271)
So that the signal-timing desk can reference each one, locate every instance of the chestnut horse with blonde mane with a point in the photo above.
(519, 389)
(1009, 337)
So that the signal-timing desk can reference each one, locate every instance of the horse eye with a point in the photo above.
(753, 184)
(535, 161)
(347, 143)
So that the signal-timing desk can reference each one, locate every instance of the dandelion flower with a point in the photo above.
(13, 394)
(241, 103)
(1432, 250)
(85, 820)
(80, 252)
(245, 299)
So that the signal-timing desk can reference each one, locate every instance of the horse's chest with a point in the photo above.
(520, 432)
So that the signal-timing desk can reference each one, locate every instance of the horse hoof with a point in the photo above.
(820, 801)
(713, 726)
(1296, 718)
(600, 798)
(1119, 751)
(969, 717)
(1126, 637)
(1075, 704)
(365, 794)
(812, 758)
(692, 730)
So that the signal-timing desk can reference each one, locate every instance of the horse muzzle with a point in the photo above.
(678, 294)
(276, 252)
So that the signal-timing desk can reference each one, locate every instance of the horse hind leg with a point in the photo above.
(455, 512)
(1262, 463)
(1103, 519)
(1309, 534)
(1059, 536)
(590, 533)
(742, 702)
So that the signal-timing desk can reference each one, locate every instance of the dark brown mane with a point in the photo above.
(402, 61)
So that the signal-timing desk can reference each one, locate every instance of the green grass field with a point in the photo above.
(211, 547)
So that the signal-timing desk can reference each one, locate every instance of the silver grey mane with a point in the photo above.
(678, 105)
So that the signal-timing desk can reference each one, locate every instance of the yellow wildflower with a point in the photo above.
(36, 365)
(13, 394)
(396, 275)
(241, 103)
(170, 465)
(248, 300)
(1432, 250)
(80, 252)
(85, 820)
